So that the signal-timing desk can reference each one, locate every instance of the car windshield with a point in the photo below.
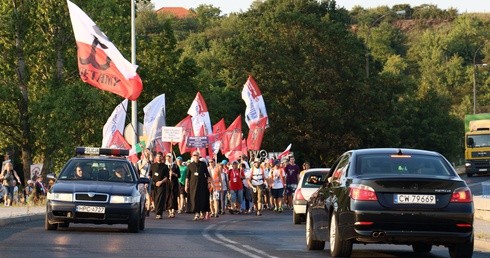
(98, 170)
(388, 164)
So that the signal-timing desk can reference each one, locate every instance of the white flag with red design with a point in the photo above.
(200, 115)
(99, 62)
(114, 123)
(255, 102)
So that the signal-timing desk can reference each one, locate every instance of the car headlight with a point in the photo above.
(65, 197)
(125, 199)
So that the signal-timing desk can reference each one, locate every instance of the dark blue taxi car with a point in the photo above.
(100, 186)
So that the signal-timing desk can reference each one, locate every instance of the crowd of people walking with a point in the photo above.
(207, 188)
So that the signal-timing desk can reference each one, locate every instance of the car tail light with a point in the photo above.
(364, 223)
(298, 195)
(462, 194)
(362, 193)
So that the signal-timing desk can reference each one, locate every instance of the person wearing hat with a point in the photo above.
(196, 186)
(277, 185)
(183, 176)
(28, 191)
(256, 180)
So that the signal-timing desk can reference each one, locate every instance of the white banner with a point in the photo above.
(154, 118)
(115, 122)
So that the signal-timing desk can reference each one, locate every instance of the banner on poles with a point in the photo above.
(197, 142)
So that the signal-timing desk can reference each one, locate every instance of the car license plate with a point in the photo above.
(415, 199)
(483, 169)
(90, 209)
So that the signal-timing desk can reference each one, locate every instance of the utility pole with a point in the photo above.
(402, 12)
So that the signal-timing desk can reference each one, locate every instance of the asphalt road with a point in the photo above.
(271, 235)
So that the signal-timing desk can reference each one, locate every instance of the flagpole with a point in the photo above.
(134, 103)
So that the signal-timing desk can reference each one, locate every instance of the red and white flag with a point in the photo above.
(163, 147)
(118, 141)
(255, 102)
(99, 62)
(256, 134)
(232, 140)
(215, 139)
(114, 123)
(187, 131)
(200, 115)
(285, 152)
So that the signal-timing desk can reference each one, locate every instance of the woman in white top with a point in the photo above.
(277, 184)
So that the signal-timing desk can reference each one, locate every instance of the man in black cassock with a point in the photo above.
(160, 173)
(196, 186)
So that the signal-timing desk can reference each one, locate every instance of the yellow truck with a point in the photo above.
(477, 144)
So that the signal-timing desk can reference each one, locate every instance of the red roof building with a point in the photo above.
(178, 12)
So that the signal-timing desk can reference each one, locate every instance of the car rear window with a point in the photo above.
(98, 170)
(388, 164)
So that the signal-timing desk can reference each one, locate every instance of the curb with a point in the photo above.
(482, 245)
(20, 219)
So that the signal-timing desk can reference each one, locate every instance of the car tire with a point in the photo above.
(296, 218)
(64, 225)
(461, 250)
(469, 174)
(134, 223)
(142, 219)
(311, 243)
(48, 225)
(339, 247)
(421, 248)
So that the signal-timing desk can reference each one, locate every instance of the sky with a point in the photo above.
(228, 6)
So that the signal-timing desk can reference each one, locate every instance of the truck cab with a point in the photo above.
(477, 147)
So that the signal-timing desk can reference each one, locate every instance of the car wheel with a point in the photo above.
(296, 218)
(311, 243)
(48, 225)
(64, 225)
(421, 248)
(143, 219)
(461, 250)
(469, 174)
(134, 223)
(338, 246)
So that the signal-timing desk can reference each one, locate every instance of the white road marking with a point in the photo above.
(244, 249)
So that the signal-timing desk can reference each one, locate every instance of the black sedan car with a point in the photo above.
(100, 186)
(394, 196)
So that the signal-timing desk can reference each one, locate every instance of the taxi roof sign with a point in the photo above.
(101, 151)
